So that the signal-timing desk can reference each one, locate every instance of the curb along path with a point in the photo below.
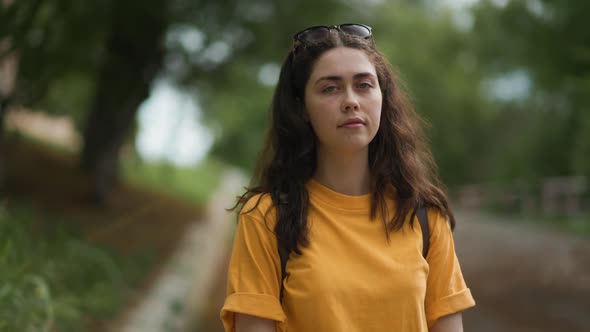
(178, 295)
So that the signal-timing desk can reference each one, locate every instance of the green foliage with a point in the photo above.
(52, 280)
(193, 184)
(547, 40)
(581, 148)
(59, 44)
(434, 60)
(475, 137)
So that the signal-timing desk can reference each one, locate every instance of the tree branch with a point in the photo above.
(18, 31)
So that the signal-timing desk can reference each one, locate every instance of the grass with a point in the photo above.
(52, 280)
(193, 184)
(579, 225)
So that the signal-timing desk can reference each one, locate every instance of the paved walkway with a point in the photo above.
(177, 296)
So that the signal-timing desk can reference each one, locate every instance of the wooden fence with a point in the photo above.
(554, 196)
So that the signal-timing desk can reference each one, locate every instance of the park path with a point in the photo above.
(524, 278)
(172, 302)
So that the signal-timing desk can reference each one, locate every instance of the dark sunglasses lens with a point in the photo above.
(314, 34)
(356, 30)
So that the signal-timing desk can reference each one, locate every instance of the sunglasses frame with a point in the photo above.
(297, 37)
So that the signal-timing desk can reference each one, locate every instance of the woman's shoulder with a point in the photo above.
(437, 219)
(259, 205)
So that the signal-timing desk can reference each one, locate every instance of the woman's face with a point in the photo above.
(343, 100)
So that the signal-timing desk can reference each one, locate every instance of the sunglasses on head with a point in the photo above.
(321, 32)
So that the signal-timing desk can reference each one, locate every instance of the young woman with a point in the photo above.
(343, 173)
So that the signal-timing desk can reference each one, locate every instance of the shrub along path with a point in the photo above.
(133, 221)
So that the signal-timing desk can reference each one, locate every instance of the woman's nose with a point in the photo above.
(350, 103)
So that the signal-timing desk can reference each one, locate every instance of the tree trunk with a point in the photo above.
(3, 108)
(8, 71)
(133, 57)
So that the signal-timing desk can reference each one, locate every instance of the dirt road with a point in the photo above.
(524, 279)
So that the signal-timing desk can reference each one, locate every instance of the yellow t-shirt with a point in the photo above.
(350, 278)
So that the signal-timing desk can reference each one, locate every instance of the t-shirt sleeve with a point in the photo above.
(254, 272)
(446, 291)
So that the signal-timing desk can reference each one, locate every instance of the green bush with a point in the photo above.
(52, 280)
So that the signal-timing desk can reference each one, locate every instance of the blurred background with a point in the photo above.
(126, 127)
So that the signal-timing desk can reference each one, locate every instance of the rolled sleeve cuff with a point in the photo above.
(260, 305)
(449, 305)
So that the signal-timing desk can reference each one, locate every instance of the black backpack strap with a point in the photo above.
(423, 220)
(284, 255)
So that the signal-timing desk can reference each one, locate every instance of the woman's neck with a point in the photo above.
(347, 174)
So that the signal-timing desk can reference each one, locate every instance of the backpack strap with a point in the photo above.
(423, 220)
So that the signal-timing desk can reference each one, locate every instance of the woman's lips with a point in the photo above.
(352, 125)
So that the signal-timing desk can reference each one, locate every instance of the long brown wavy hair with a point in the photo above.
(399, 155)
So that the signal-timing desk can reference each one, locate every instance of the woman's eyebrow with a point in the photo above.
(339, 78)
(329, 78)
(364, 75)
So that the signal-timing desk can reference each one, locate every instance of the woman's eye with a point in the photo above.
(330, 88)
(365, 85)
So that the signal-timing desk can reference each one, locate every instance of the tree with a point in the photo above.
(133, 56)
(548, 40)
